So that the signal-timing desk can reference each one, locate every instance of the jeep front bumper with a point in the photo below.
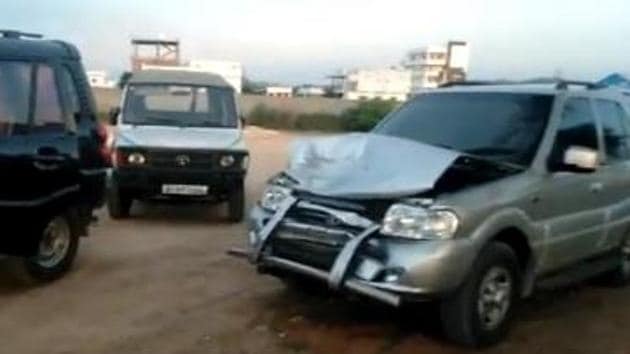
(407, 270)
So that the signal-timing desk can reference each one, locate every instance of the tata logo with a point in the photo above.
(182, 160)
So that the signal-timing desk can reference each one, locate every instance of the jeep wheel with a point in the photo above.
(236, 204)
(118, 204)
(478, 314)
(56, 252)
(621, 275)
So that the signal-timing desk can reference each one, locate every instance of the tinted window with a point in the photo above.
(502, 126)
(613, 119)
(48, 113)
(179, 105)
(577, 128)
(73, 102)
(15, 88)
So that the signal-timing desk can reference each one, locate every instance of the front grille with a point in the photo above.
(319, 218)
(187, 159)
(313, 254)
(312, 236)
(371, 208)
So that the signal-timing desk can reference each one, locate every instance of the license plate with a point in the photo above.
(184, 189)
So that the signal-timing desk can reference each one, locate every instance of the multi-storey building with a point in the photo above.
(434, 65)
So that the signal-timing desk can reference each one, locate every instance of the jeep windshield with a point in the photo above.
(504, 127)
(180, 106)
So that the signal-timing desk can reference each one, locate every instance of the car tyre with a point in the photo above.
(118, 204)
(56, 250)
(620, 276)
(479, 313)
(236, 204)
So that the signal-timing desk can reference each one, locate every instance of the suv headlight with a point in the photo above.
(273, 197)
(419, 223)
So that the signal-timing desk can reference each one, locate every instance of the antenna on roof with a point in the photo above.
(17, 34)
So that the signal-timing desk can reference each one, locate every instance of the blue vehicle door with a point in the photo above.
(38, 153)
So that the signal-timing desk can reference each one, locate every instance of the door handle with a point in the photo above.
(49, 158)
(42, 166)
(596, 187)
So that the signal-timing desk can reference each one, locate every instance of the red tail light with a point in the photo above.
(105, 138)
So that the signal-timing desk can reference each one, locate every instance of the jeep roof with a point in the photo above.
(178, 77)
(16, 45)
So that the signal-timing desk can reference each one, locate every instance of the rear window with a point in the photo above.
(15, 88)
(48, 112)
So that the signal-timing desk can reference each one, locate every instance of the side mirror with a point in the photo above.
(113, 115)
(581, 159)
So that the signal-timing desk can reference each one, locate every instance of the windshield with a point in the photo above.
(505, 127)
(178, 105)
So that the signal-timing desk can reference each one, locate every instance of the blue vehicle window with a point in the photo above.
(15, 88)
(48, 113)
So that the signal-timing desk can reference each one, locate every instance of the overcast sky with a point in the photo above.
(297, 41)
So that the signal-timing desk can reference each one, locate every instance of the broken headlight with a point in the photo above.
(273, 197)
(408, 221)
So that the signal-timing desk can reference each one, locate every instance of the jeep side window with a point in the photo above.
(15, 88)
(48, 114)
(577, 128)
(71, 100)
(613, 119)
(74, 106)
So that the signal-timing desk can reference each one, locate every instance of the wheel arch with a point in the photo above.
(515, 229)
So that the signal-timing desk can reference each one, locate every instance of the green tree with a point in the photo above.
(366, 114)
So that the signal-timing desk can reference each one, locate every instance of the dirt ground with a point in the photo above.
(162, 283)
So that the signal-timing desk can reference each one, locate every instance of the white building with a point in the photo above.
(231, 71)
(98, 78)
(434, 65)
(309, 91)
(386, 84)
(279, 91)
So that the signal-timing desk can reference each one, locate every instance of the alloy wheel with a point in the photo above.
(55, 243)
(495, 297)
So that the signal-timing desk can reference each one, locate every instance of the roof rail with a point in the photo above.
(17, 34)
(468, 83)
(564, 84)
(559, 84)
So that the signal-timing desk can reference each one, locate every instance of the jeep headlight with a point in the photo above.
(273, 197)
(136, 158)
(408, 221)
(227, 161)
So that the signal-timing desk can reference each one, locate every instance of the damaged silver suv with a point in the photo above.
(472, 196)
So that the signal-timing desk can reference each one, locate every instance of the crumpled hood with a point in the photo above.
(179, 138)
(367, 166)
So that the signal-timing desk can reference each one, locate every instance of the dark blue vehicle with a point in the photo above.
(53, 154)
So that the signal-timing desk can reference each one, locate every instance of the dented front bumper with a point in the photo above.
(402, 270)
